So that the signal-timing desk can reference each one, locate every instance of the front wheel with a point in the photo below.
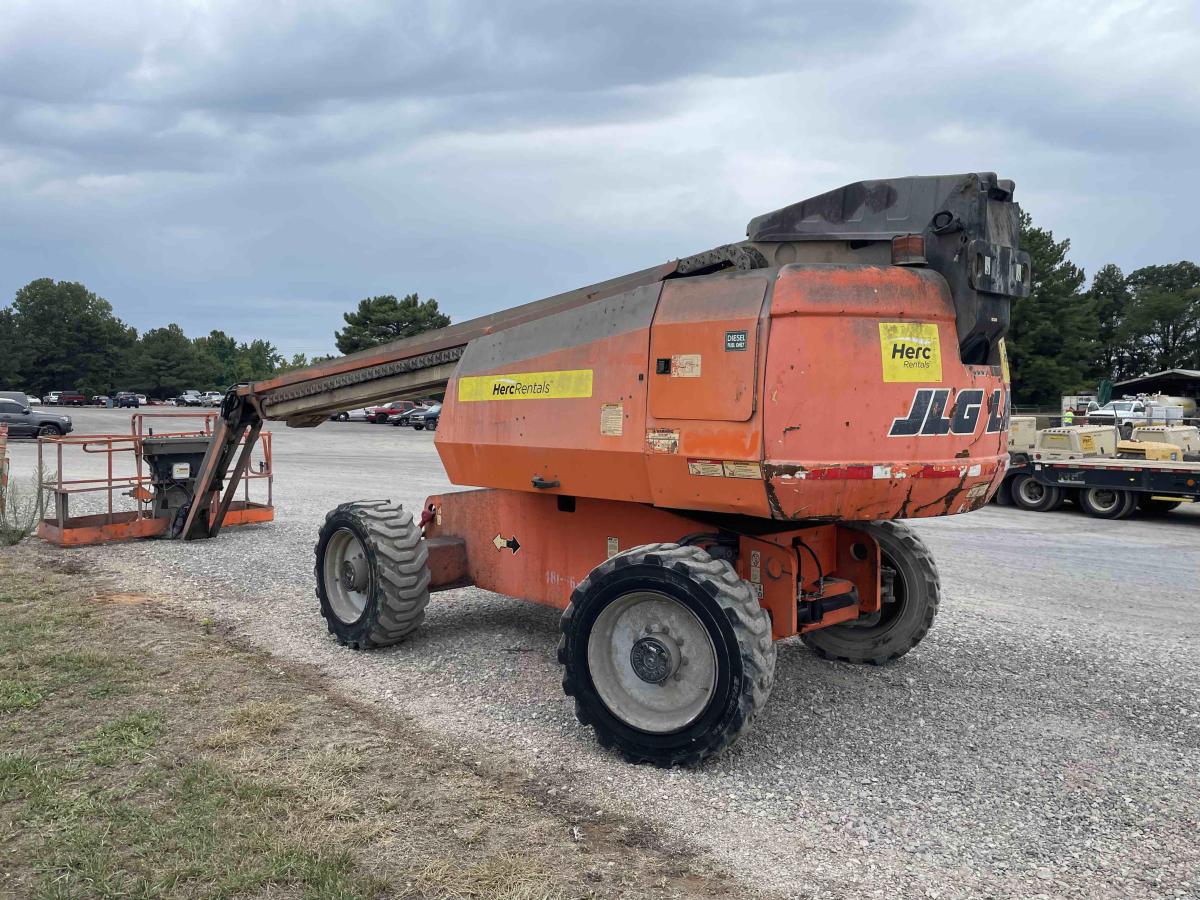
(667, 653)
(49, 431)
(342, 417)
(911, 592)
(372, 573)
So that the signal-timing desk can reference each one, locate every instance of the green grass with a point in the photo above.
(124, 740)
(17, 694)
(144, 756)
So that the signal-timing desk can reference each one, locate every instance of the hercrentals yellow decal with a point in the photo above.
(565, 385)
(911, 351)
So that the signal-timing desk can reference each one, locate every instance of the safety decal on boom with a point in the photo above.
(564, 385)
(929, 417)
(911, 351)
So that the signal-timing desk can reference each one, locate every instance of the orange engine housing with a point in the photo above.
(803, 392)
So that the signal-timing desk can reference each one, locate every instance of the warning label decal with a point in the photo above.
(662, 440)
(685, 365)
(911, 351)
(711, 468)
(742, 469)
(569, 384)
(724, 468)
(612, 419)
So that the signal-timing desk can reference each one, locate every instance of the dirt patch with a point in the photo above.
(146, 755)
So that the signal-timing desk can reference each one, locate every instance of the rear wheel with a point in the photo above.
(1107, 503)
(667, 653)
(1029, 493)
(911, 591)
(372, 573)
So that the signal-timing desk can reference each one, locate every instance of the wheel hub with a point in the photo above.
(638, 665)
(354, 574)
(655, 658)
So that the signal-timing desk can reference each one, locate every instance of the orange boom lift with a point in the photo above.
(692, 461)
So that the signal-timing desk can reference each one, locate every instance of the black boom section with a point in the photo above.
(971, 230)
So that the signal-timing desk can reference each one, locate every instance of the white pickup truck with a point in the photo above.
(1129, 414)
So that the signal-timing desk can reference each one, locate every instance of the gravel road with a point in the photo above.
(1044, 740)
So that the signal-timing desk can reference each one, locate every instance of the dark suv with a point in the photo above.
(126, 398)
(24, 420)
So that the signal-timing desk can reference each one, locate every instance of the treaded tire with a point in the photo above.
(728, 610)
(902, 629)
(1024, 487)
(1093, 502)
(397, 563)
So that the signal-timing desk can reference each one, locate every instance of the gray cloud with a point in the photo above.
(259, 168)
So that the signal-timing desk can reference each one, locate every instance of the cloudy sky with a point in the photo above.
(260, 166)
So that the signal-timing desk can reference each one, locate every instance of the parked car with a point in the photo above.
(100, 400)
(17, 397)
(65, 398)
(380, 414)
(34, 401)
(426, 418)
(189, 398)
(211, 398)
(142, 399)
(350, 415)
(405, 417)
(126, 399)
(25, 420)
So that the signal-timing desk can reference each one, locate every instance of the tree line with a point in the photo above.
(1066, 336)
(58, 335)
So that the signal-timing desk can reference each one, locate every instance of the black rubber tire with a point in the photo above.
(1126, 432)
(1003, 495)
(898, 630)
(726, 606)
(1051, 496)
(1091, 503)
(49, 430)
(397, 560)
(342, 417)
(417, 427)
(1154, 507)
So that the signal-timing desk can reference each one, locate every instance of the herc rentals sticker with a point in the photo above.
(564, 385)
(911, 351)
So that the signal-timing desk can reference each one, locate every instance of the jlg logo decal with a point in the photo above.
(911, 351)
(928, 416)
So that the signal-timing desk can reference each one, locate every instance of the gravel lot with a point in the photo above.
(1042, 741)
